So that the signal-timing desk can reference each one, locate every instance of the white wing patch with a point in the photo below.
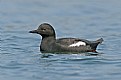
(80, 43)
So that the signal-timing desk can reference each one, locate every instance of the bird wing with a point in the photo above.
(72, 42)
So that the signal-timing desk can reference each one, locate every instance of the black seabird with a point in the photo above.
(49, 42)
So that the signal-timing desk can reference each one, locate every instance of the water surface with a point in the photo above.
(20, 58)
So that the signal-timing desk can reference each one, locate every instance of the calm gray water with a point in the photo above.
(20, 58)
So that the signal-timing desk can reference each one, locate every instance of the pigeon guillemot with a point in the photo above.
(49, 42)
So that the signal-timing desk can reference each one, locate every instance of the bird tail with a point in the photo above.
(99, 41)
(95, 43)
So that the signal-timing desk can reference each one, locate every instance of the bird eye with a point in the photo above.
(43, 29)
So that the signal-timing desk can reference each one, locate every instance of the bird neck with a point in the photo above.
(48, 38)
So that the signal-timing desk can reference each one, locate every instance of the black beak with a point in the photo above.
(33, 31)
